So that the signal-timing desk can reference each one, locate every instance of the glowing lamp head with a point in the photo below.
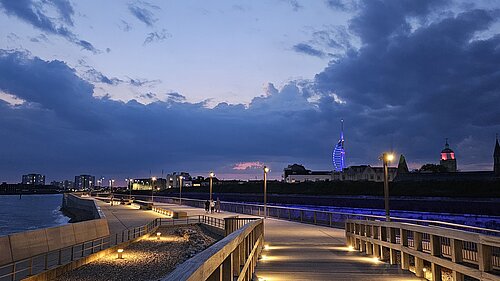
(266, 169)
(120, 253)
(153, 178)
(158, 235)
(266, 247)
(424, 269)
(211, 174)
(389, 157)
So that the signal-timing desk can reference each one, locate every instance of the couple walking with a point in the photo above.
(211, 206)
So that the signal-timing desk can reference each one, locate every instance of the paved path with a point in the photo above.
(297, 251)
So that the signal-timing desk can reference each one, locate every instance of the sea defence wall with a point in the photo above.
(81, 208)
(22, 252)
(23, 245)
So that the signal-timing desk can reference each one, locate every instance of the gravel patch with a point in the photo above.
(148, 259)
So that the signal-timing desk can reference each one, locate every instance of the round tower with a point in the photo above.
(448, 158)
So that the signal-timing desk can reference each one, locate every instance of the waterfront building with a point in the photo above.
(33, 179)
(84, 182)
(174, 180)
(147, 183)
(448, 159)
(365, 173)
(64, 185)
(298, 173)
(338, 155)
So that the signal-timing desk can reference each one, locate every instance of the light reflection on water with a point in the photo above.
(30, 212)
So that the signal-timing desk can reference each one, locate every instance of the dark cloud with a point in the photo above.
(406, 88)
(413, 88)
(78, 129)
(142, 11)
(157, 36)
(33, 13)
(308, 50)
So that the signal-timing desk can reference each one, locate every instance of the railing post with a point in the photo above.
(484, 253)
(59, 258)
(46, 262)
(330, 219)
(236, 261)
(436, 251)
(314, 214)
(456, 257)
(405, 257)
(13, 271)
(227, 268)
(392, 252)
(417, 245)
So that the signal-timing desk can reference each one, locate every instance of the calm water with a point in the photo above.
(30, 212)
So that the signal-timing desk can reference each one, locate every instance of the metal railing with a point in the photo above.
(316, 217)
(36, 264)
(415, 246)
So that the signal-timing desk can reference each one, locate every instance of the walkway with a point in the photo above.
(297, 251)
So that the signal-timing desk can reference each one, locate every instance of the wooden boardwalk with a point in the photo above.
(296, 251)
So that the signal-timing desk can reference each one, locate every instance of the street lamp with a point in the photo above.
(153, 179)
(130, 184)
(211, 176)
(386, 158)
(266, 170)
(111, 187)
(180, 189)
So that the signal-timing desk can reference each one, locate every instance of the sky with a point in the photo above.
(124, 89)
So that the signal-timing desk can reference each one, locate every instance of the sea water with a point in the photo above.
(30, 212)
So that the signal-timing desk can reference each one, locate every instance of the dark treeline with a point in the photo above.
(484, 189)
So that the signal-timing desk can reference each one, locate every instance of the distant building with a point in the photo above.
(369, 173)
(33, 179)
(65, 184)
(365, 173)
(174, 180)
(297, 173)
(147, 183)
(338, 155)
(448, 158)
(84, 182)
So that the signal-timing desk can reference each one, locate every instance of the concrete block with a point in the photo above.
(101, 227)
(84, 231)
(5, 253)
(60, 237)
(29, 243)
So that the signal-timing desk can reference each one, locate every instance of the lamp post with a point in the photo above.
(111, 187)
(153, 179)
(386, 158)
(180, 189)
(266, 170)
(211, 176)
(130, 184)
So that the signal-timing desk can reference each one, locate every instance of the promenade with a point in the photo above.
(296, 251)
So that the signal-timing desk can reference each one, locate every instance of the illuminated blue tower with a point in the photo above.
(338, 155)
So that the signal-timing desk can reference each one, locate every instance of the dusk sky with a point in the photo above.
(121, 88)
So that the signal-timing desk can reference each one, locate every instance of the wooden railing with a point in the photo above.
(316, 217)
(428, 249)
(232, 258)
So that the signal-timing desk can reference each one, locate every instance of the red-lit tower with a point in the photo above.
(448, 158)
